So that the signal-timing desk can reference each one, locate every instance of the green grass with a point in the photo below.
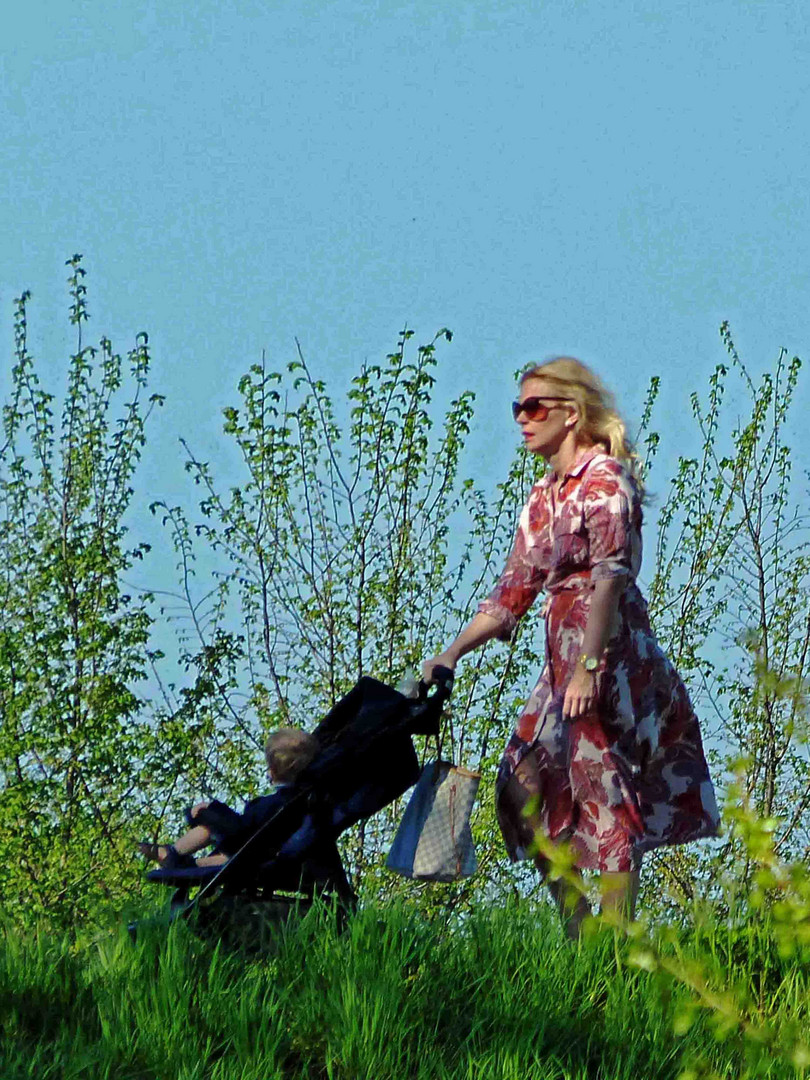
(500, 996)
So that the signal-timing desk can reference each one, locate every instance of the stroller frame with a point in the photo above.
(367, 760)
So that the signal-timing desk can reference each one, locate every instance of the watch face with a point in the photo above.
(591, 663)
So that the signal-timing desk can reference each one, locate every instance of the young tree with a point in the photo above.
(731, 605)
(73, 644)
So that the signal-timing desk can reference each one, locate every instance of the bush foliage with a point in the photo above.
(354, 543)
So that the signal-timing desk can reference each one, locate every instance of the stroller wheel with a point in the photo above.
(254, 924)
(248, 924)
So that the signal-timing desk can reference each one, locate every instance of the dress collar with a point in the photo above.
(583, 458)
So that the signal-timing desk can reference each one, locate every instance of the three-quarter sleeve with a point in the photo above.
(612, 514)
(520, 582)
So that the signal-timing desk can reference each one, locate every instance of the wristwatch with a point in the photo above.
(590, 663)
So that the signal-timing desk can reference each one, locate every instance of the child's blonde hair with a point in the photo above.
(288, 752)
(599, 419)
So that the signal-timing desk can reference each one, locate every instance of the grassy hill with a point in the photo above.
(499, 996)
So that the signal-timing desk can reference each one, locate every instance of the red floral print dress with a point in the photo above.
(631, 775)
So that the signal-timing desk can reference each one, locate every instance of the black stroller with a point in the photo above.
(367, 760)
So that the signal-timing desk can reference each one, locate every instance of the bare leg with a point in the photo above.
(619, 894)
(212, 860)
(519, 803)
(572, 905)
(198, 837)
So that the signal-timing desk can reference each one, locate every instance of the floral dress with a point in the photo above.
(631, 775)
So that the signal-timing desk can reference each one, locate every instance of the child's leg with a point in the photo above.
(197, 837)
(213, 860)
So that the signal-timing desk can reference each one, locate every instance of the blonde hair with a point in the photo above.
(599, 420)
(288, 752)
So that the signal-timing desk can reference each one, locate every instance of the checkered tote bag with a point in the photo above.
(434, 841)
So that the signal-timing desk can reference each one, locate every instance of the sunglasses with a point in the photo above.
(534, 407)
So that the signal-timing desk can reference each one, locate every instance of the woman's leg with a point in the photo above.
(572, 904)
(520, 803)
(619, 893)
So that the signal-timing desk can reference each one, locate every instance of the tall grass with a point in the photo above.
(499, 995)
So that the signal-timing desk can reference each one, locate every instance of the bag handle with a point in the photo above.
(442, 686)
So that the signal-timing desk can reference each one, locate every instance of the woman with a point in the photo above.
(607, 755)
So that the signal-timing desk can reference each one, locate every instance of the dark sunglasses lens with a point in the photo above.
(532, 407)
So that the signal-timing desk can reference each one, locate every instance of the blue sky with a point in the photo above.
(610, 180)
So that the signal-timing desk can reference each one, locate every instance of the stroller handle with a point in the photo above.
(442, 680)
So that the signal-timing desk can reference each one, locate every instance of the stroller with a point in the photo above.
(366, 760)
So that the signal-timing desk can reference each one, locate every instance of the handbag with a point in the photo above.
(434, 841)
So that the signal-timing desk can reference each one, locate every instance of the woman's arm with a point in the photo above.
(602, 616)
(521, 581)
(612, 513)
(481, 629)
(582, 691)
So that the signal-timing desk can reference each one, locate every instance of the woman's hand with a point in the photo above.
(581, 694)
(446, 660)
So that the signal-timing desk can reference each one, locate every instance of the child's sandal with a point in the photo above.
(172, 860)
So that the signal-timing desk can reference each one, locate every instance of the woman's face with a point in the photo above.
(544, 436)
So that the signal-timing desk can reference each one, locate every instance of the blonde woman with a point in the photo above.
(607, 755)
